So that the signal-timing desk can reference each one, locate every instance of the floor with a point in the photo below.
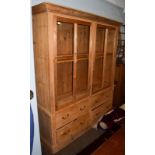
(115, 145)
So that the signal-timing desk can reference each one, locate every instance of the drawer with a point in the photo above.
(101, 110)
(69, 114)
(98, 99)
(82, 123)
(70, 131)
(64, 134)
(66, 116)
(83, 106)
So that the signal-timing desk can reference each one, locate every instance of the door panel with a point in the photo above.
(81, 77)
(98, 74)
(64, 82)
(65, 35)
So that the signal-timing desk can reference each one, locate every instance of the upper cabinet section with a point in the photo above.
(80, 50)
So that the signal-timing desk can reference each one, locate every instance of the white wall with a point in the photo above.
(98, 7)
(36, 143)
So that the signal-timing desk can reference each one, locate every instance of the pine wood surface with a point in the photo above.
(74, 65)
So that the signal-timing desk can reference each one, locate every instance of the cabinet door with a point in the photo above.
(81, 78)
(109, 58)
(99, 59)
(64, 82)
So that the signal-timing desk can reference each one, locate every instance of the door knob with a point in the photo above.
(31, 94)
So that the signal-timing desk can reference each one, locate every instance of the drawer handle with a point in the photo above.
(108, 106)
(65, 133)
(96, 101)
(65, 117)
(81, 109)
(72, 137)
(81, 123)
(97, 114)
(107, 95)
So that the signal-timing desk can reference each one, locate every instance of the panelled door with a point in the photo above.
(72, 61)
(99, 58)
(109, 58)
(103, 58)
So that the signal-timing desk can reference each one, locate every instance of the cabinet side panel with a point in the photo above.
(40, 40)
(41, 56)
(45, 126)
(40, 35)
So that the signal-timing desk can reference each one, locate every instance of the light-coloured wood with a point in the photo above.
(83, 38)
(98, 99)
(56, 148)
(83, 106)
(66, 116)
(75, 60)
(65, 33)
(74, 51)
(44, 7)
(69, 113)
(45, 126)
(69, 131)
(52, 46)
(92, 53)
(97, 74)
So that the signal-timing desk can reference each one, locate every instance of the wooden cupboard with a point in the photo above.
(74, 62)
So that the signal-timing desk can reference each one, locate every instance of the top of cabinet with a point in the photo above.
(50, 7)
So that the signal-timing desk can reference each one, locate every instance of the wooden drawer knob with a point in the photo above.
(82, 108)
(96, 101)
(97, 114)
(65, 117)
(81, 123)
(66, 132)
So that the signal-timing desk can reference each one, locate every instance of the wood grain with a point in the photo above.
(74, 64)
(46, 7)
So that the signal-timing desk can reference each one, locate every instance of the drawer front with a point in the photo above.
(83, 106)
(69, 114)
(70, 131)
(66, 116)
(64, 135)
(82, 123)
(100, 98)
(101, 110)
